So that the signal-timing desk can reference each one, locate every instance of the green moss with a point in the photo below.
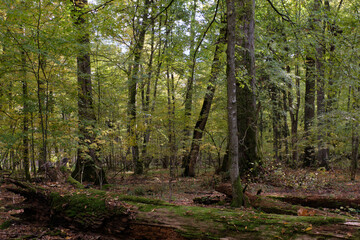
(5, 224)
(80, 206)
(74, 182)
(230, 221)
(240, 199)
(107, 186)
(137, 199)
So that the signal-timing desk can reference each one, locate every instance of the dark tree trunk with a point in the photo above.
(309, 110)
(276, 120)
(311, 76)
(354, 154)
(246, 100)
(87, 164)
(205, 109)
(26, 160)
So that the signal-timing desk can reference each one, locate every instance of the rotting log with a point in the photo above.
(320, 201)
(276, 205)
(131, 217)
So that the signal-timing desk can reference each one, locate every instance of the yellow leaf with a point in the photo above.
(308, 228)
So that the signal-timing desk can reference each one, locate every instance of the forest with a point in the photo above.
(179, 119)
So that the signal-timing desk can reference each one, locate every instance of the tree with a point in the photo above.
(139, 38)
(233, 28)
(246, 100)
(88, 166)
(206, 106)
(309, 112)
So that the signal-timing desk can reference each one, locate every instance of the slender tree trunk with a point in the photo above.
(171, 118)
(233, 28)
(139, 45)
(354, 154)
(146, 103)
(41, 94)
(276, 119)
(33, 163)
(205, 109)
(323, 151)
(294, 115)
(26, 161)
(285, 127)
(190, 82)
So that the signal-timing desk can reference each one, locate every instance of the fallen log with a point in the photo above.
(319, 201)
(131, 217)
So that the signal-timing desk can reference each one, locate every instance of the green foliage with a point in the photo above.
(6, 224)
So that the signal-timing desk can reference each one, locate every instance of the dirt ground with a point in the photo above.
(181, 191)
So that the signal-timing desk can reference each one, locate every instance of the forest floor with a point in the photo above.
(278, 182)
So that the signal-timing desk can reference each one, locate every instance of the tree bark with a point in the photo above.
(139, 45)
(246, 100)
(231, 71)
(294, 116)
(26, 160)
(87, 164)
(190, 82)
(205, 109)
(309, 115)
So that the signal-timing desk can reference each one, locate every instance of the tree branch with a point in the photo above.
(283, 16)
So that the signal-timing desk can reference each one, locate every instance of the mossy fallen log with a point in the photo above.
(131, 217)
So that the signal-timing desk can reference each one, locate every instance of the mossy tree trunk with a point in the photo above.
(88, 167)
(231, 71)
(246, 100)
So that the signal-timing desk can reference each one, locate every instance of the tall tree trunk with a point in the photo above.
(26, 160)
(294, 115)
(146, 102)
(246, 100)
(323, 151)
(171, 118)
(354, 154)
(88, 166)
(41, 93)
(309, 109)
(139, 31)
(310, 65)
(233, 30)
(206, 106)
(276, 120)
(190, 82)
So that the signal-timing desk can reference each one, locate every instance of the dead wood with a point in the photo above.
(321, 201)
